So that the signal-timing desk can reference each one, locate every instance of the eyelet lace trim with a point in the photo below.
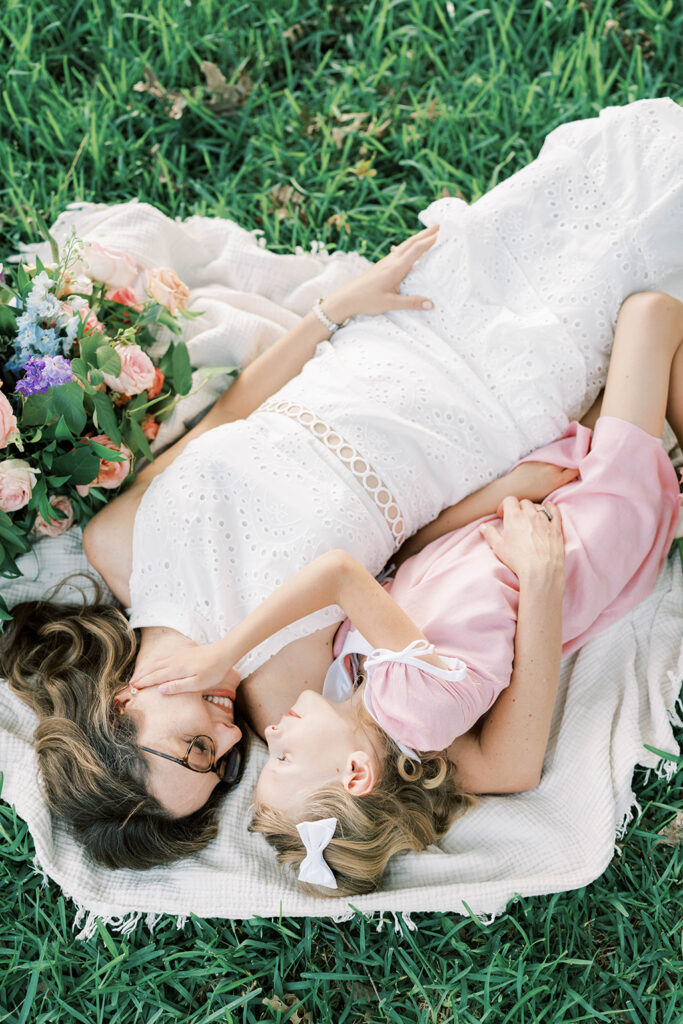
(356, 463)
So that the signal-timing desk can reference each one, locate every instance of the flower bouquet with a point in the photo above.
(85, 381)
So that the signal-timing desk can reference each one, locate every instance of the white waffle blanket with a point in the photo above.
(618, 694)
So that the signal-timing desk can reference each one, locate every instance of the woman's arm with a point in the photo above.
(504, 753)
(531, 480)
(334, 578)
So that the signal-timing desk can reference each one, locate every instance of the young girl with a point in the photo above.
(473, 613)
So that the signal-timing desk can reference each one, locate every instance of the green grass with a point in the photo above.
(445, 96)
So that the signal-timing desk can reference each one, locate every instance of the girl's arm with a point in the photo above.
(334, 578)
(532, 480)
(504, 752)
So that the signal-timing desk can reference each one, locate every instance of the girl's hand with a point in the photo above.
(536, 480)
(201, 669)
(377, 290)
(531, 545)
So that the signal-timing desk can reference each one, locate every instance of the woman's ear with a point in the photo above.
(362, 773)
(121, 701)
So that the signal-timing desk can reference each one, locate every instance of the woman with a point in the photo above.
(406, 413)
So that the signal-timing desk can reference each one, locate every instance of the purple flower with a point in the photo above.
(43, 373)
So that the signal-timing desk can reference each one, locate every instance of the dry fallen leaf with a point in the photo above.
(364, 169)
(672, 834)
(224, 97)
(287, 201)
(338, 221)
(174, 101)
(294, 33)
(429, 113)
(300, 1016)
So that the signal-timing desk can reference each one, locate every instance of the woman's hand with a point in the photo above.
(531, 544)
(377, 290)
(536, 480)
(200, 669)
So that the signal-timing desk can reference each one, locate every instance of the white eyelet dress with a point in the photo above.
(404, 414)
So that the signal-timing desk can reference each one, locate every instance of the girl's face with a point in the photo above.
(316, 743)
(168, 724)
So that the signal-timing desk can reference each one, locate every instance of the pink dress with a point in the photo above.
(618, 520)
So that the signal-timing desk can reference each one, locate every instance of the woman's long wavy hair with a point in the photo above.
(68, 663)
(411, 806)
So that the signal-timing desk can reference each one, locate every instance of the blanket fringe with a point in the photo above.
(38, 869)
(125, 924)
(400, 917)
(635, 810)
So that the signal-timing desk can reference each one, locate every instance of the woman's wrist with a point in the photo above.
(337, 308)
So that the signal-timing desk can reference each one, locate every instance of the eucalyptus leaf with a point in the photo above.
(89, 345)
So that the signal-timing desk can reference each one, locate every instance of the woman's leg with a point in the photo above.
(645, 377)
(108, 537)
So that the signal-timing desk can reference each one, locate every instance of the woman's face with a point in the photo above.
(168, 724)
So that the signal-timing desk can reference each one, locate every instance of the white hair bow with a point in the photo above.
(316, 836)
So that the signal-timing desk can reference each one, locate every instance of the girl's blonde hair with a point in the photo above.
(68, 663)
(411, 806)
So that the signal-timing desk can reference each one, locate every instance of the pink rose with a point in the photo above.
(111, 474)
(53, 527)
(112, 266)
(8, 422)
(17, 481)
(125, 297)
(166, 288)
(136, 374)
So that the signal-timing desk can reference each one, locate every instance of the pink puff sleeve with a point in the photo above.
(420, 706)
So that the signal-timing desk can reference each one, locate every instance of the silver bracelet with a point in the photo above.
(322, 316)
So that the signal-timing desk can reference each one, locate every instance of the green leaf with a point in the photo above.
(89, 345)
(79, 368)
(207, 372)
(67, 401)
(5, 613)
(135, 409)
(106, 453)
(56, 481)
(8, 319)
(81, 464)
(62, 432)
(35, 412)
(95, 377)
(105, 417)
(138, 441)
(108, 360)
(182, 370)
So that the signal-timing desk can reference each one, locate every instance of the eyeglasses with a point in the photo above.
(201, 757)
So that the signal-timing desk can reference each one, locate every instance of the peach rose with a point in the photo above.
(137, 371)
(112, 266)
(111, 474)
(166, 288)
(125, 297)
(150, 427)
(53, 527)
(17, 480)
(8, 422)
(156, 387)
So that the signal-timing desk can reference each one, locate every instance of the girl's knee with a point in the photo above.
(655, 310)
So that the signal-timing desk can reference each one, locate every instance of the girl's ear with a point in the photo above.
(362, 773)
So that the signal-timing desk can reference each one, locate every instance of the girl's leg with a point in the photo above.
(645, 377)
